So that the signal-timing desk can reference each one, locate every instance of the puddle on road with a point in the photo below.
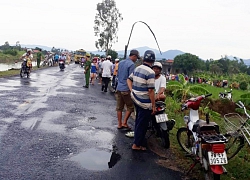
(97, 160)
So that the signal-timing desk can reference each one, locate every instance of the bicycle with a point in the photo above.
(237, 131)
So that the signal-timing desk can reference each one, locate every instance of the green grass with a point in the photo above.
(216, 90)
(17, 72)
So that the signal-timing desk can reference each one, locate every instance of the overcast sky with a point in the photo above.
(206, 28)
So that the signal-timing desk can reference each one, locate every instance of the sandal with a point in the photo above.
(121, 127)
(130, 134)
(127, 128)
(139, 149)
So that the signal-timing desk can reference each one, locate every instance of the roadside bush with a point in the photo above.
(12, 52)
(243, 85)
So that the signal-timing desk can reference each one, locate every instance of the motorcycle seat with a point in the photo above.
(201, 125)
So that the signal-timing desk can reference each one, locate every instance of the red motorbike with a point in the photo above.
(202, 141)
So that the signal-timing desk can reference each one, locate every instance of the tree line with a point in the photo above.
(189, 63)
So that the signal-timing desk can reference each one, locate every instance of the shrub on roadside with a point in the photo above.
(12, 52)
(243, 85)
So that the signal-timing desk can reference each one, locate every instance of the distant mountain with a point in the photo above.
(170, 54)
(34, 46)
(246, 61)
(40, 46)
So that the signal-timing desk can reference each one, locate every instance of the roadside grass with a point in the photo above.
(7, 58)
(17, 72)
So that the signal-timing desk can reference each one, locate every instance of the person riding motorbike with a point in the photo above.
(62, 58)
(28, 57)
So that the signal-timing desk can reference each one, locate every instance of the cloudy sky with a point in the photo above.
(206, 28)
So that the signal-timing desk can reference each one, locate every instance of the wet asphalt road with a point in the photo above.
(53, 128)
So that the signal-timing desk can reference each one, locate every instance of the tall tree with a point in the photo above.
(113, 54)
(187, 62)
(106, 22)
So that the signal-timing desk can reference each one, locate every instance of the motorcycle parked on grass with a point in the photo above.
(161, 124)
(203, 141)
(61, 65)
(25, 69)
(226, 95)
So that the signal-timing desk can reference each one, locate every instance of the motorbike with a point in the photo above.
(61, 65)
(25, 69)
(203, 141)
(82, 62)
(161, 124)
(226, 95)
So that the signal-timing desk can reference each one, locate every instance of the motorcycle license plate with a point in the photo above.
(217, 158)
(161, 118)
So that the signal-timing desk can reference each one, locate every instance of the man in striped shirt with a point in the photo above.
(142, 84)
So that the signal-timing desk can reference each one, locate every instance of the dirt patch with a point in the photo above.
(222, 106)
(167, 156)
(172, 159)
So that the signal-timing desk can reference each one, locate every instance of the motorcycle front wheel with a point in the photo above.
(185, 139)
(21, 73)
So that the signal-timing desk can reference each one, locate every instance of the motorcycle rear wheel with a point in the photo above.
(165, 142)
(185, 139)
(212, 176)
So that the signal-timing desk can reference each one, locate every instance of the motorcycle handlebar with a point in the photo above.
(199, 98)
(242, 106)
(183, 107)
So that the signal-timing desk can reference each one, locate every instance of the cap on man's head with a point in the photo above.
(116, 60)
(135, 52)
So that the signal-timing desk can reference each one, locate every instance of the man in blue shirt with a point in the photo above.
(125, 68)
(56, 58)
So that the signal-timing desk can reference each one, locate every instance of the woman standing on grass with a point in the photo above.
(94, 68)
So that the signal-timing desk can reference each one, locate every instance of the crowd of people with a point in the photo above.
(136, 88)
(100, 68)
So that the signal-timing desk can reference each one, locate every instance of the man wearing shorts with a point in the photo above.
(125, 68)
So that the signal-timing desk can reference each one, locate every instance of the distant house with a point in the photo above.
(35, 51)
(167, 66)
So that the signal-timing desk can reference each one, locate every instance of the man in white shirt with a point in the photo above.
(160, 87)
(160, 82)
(106, 73)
